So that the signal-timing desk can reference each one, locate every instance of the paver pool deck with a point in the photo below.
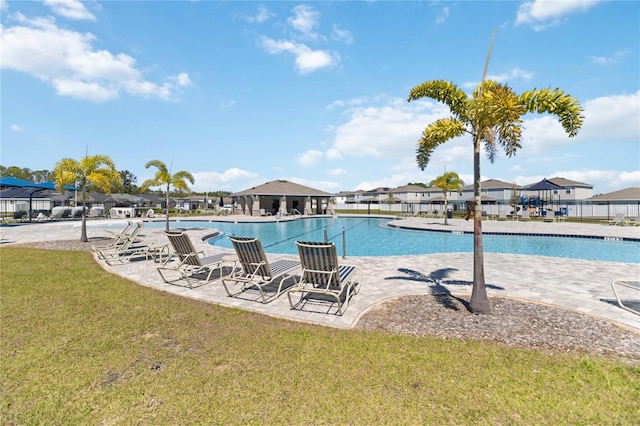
(580, 285)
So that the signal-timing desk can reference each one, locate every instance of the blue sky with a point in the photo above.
(241, 93)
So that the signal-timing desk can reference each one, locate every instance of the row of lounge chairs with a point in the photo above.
(126, 245)
(316, 276)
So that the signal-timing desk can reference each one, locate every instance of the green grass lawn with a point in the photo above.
(82, 346)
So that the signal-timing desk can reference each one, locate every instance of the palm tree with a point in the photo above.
(163, 177)
(449, 181)
(96, 170)
(492, 115)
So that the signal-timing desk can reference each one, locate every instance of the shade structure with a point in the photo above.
(543, 185)
(10, 181)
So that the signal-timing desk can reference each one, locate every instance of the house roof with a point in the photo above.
(490, 184)
(282, 187)
(627, 194)
(412, 188)
(568, 182)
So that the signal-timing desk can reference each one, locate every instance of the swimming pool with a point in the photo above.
(372, 237)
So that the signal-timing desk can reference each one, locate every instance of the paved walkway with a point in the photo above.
(580, 285)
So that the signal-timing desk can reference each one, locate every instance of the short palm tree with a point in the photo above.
(492, 116)
(163, 177)
(449, 181)
(98, 170)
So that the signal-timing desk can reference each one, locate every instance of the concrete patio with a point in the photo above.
(579, 285)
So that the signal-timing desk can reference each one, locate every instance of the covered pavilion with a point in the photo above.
(281, 197)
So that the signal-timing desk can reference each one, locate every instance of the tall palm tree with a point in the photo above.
(492, 116)
(97, 170)
(449, 181)
(163, 177)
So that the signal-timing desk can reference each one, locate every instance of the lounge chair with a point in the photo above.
(256, 271)
(631, 284)
(123, 253)
(323, 278)
(502, 215)
(130, 247)
(191, 264)
(635, 221)
(126, 234)
(619, 219)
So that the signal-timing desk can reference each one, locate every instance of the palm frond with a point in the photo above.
(436, 134)
(558, 103)
(446, 92)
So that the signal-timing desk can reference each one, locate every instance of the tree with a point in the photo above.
(515, 200)
(163, 177)
(390, 198)
(449, 181)
(97, 170)
(492, 116)
(128, 180)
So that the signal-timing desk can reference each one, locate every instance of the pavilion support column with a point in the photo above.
(255, 209)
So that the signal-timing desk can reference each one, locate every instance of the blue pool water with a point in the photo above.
(371, 237)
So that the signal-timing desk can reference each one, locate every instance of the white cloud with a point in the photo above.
(213, 181)
(305, 20)
(16, 128)
(4, 5)
(617, 57)
(511, 75)
(81, 90)
(545, 13)
(340, 34)
(309, 158)
(338, 172)
(262, 15)
(443, 15)
(72, 9)
(614, 117)
(183, 79)
(307, 60)
(227, 104)
(323, 185)
(384, 132)
(67, 61)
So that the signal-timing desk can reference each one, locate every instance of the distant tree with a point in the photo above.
(128, 185)
(17, 172)
(515, 199)
(449, 181)
(97, 170)
(417, 184)
(390, 198)
(163, 177)
(35, 176)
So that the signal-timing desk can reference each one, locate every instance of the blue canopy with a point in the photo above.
(21, 183)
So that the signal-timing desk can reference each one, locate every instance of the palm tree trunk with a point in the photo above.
(83, 235)
(445, 208)
(479, 303)
(166, 228)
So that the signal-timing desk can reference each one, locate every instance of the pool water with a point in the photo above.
(372, 237)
